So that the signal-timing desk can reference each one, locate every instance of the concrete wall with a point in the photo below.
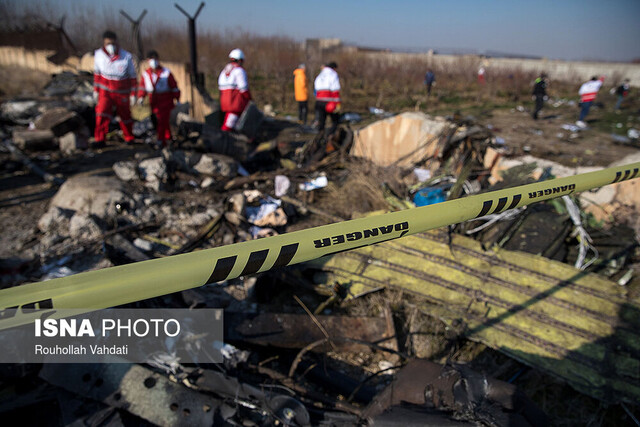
(560, 70)
(569, 70)
(35, 60)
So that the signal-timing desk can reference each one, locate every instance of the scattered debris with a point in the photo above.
(459, 390)
(332, 342)
(523, 305)
(399, 140)
(59, 121)
(92, 195)
(281, 184)
(298, 331)
(33, 140)
(32, 166)
(319, 182)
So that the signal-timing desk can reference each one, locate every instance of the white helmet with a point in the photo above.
(236, 54)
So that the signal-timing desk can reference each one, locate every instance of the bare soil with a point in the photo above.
(545, 138)
(24, 198)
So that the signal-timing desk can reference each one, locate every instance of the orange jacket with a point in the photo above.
(300, 84)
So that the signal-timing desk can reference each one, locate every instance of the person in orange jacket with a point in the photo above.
(301, 92)
(158, 82)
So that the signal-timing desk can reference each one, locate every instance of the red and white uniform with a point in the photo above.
(163, 91)
(114, 78)
(589, 90)
(234, 93)
(327, 88)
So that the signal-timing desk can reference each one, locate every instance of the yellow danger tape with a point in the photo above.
(134, 282)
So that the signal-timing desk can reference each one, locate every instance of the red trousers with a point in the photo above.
(104, 115)
(163, 113)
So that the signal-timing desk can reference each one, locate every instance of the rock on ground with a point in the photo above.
(58, 120)
(73, 141)
(126, 170)
(83, 227)
(217, 165)
(55, 220)
(95, 195)
(153, 171)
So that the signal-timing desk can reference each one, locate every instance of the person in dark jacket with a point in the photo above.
(539, 94)
(429, 80)
(622, 91)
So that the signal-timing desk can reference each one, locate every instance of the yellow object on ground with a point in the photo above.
(577, 326)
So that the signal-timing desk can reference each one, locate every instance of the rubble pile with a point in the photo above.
(382, 335)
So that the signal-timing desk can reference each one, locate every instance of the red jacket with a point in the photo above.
(114, 74)
(160, 85)
(234, 89)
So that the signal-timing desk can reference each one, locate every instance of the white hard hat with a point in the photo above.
(236, 54)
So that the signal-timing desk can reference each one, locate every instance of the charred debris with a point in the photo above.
(428, 330)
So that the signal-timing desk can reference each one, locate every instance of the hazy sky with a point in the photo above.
(566, 29)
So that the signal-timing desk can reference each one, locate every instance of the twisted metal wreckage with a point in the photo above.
(575, 325)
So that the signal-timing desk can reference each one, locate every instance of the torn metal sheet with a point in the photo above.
(299, 330)
(575, 325)
(282, 407)
(405, 138)
(462, 392)
(139, 391)
(412, 416)
(225, 385)
(538, 230)
(121, 251)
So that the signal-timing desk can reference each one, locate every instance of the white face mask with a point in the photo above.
(153, 63)
(111, 49)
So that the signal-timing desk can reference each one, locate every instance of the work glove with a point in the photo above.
(140, 101)
(95, 97)
(132, 100)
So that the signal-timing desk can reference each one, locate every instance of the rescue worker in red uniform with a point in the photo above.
(234, 90)
(114, 85)
(158, 82)
(327, 90)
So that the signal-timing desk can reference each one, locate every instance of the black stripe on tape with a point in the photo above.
(515, 201)
(618, 175)
(256, 259)
(222, 269)
(502, 202)
(485, 208)
(287, 252)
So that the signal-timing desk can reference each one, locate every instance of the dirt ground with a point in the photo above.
(24, 198)
(546, 138)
